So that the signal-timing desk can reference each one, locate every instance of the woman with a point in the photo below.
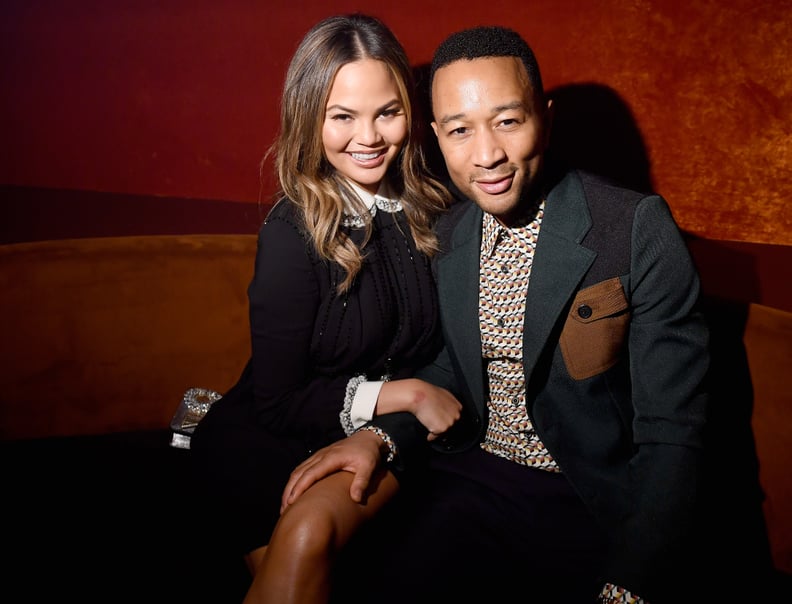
(342, 301)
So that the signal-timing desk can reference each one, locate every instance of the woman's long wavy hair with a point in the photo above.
(305, 175)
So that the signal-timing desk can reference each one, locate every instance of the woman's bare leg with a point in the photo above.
(295, 567)
(254, 558)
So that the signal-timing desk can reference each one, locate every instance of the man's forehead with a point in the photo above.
(487, 80)
(501, 70)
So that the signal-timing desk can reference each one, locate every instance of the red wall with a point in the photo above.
(178, 98)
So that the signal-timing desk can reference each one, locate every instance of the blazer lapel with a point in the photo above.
(560, 264)
(458, 291)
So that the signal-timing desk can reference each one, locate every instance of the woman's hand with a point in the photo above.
(436, 408)
(359, 453)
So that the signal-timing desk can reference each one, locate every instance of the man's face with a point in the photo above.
(490, 131)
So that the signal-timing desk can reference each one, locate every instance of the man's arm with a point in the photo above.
(669, 358)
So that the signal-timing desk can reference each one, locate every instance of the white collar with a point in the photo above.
(384, 194)
(383, 199)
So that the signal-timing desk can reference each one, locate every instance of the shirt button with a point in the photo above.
(500, 322)
(584, 311)
(504, 268)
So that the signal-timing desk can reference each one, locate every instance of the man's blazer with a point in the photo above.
(614, 353)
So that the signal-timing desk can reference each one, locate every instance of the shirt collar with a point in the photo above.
(384, 193)
(490, 233)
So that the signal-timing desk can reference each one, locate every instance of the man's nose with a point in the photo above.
(487, 149)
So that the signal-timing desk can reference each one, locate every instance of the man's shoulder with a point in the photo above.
(599, 187)
(604, 200)
(448, 221)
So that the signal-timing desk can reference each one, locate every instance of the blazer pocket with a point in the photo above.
(595, 329)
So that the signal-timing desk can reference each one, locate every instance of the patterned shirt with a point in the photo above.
(505, 265)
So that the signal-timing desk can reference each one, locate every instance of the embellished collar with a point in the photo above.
(384, 199)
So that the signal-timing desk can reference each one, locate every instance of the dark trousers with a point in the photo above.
(479, 528)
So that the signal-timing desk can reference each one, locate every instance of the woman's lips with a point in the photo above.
(368, 160)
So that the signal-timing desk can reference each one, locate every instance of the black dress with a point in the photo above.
(307, 342)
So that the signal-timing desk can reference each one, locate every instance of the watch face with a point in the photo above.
(194, 405)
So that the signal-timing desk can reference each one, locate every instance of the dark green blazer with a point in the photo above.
(615, 356)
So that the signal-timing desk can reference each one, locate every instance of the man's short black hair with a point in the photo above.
(487, 41)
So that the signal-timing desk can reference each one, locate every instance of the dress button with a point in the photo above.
(584, 311)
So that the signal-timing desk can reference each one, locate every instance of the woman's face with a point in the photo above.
(365, 124)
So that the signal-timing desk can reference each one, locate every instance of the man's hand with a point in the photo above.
(359, 453)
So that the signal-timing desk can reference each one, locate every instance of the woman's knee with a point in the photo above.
(325, 515)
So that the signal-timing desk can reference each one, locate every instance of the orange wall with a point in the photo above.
(179, 97)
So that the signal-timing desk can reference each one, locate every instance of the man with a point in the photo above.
(573, 340)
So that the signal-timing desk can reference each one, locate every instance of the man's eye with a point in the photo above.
(510, 121)
(458, 131)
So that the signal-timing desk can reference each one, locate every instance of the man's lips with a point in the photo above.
(495, 186)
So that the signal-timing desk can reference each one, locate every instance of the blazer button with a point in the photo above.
(584, 311)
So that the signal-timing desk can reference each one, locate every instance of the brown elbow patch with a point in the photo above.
(595, 329)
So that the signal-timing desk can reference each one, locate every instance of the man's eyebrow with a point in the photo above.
(495, 111)
(508, 106)
(451, 118)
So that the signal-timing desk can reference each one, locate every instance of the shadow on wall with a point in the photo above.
(594, 130)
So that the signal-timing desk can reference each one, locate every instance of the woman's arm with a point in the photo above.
(436, 408)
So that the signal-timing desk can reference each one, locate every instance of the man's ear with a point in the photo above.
(547, 118)
(434, 127)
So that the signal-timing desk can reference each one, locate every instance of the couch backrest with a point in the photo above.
(103, 335)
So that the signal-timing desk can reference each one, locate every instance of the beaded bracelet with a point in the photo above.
(385, 438)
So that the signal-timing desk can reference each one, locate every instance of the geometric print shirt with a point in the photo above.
(505, 262)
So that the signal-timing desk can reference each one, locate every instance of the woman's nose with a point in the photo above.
(368, 134)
